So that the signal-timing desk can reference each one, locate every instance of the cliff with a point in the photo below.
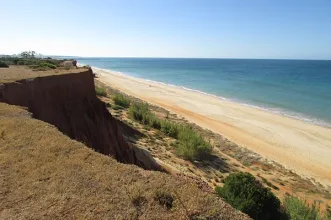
(46, 175)
(69, 102)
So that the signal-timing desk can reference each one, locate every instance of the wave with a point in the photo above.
(278, 111)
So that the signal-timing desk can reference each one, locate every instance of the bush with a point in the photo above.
(15, 60)
(138, 111)
(3, 64)
(247, 194)
(29, 62)
(117, 107)
(121, 101)
(170, 129)
(191, 145)
(20, 62)
(47, 65)
(297, 209)
(100, 91)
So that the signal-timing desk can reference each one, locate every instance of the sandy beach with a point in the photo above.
(299, 146)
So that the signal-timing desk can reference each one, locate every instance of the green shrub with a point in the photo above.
(247, 194)
(154, 122)
(191, 145)
(297, 209)
(139, 111)
(15, 60)
(121, 101)
(20, 62)
(47, 65)
(117, 107)
(169, 128)
(100, 91)
(30, 62)
(3, 64)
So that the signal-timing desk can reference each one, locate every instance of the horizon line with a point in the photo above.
(210, 58)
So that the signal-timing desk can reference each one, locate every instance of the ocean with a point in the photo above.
(295, 88)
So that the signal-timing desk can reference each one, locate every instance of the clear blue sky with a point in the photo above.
(169, 28)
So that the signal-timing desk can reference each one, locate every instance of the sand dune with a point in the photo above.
(303, 147)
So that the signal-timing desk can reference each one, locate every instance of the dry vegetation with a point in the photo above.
(46, 175)
(227, 157)
(14, 73)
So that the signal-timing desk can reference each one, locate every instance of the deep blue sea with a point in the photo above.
(296, 88)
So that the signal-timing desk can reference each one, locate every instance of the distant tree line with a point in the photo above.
(33, 60)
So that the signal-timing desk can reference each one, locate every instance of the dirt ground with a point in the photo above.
(14, 73)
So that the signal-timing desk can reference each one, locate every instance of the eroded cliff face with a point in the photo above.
(69, 102)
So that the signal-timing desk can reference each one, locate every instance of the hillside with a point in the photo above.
(46, 174)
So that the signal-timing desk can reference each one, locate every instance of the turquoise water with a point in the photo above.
(296, 88)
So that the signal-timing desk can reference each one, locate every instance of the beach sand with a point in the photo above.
(299, 146)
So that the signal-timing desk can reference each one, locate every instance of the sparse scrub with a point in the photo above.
(138, 201)
(269, 184)
(247, 194)
(117, 107)
(297, 209)
(3, 64)
(164, 199)
(121, 101)
(33, 60)
(120, 191)
(191, 145)
(47, 65)
(100, 91)
(20, 62)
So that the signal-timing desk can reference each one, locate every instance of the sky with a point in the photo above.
(279, 29)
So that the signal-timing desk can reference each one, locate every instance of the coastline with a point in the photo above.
(278, 111)
(299, 112)
(299, 146)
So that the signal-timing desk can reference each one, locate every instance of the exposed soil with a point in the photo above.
(69, 102)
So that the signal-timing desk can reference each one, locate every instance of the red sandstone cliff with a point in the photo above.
(69, 102)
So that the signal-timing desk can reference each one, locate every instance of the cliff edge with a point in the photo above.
(69, 102)
(46, 175)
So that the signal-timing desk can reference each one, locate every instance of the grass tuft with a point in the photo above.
(121, 101)
(164, 199)
(296, 209)
(100, 91)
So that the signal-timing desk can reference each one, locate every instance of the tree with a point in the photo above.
(28, 54)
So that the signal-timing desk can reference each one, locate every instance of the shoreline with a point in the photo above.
(278, 111)
(270, 135)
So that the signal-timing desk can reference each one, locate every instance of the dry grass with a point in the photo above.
(46, 175)
(14, 73)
